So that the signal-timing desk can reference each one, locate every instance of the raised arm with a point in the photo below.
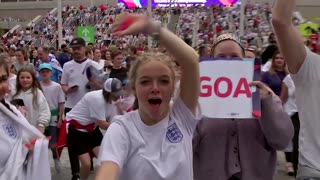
(186, 56)
(289, 40)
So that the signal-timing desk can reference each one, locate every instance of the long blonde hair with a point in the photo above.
(273, 68)
(147, 57)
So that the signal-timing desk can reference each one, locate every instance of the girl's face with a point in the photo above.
(154, 88)
(25, 80)
(4, 84)
(35, 53)
(278, 61)
(228, 49)
(19, 56)
(108, 55)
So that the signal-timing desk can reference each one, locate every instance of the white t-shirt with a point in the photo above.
(266, 67)
(290, 106)
(101, 64)
(75, 74)
(92, 107)
(38, 115)
(307, 82)
(54, 95)
(157, 152)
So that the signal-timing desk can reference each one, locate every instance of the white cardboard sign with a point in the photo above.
(225, 90)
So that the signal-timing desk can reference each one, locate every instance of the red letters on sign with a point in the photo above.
(246, 89)
(208, 88)
(241, 88)
(216, 87)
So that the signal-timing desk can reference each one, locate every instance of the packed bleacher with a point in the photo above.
(208, 22)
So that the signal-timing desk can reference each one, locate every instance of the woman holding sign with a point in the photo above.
(234, 149)
(154, 141)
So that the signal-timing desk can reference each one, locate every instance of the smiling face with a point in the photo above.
(25, 80)
(97, 54)
(278, 61)
(108, 55)
(228, 49)
(117, 61)
(154, 87)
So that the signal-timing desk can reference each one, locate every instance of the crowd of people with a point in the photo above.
(147, 99)
(213, 20)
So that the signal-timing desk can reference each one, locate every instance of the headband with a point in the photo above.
(225, 37)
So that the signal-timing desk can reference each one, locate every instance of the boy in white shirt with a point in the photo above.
(55, 98)
(93, 111)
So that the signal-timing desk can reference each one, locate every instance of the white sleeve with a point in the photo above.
(266, 66)
(181, 112)
(64, 77)
(61, 95)
(44, 110)
(96, 108)
(115, 145)
(286, 80)
(309, 71)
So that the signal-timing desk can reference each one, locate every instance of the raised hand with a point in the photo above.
(130, 24)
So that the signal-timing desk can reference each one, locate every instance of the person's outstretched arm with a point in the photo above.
(289, 40)
(185, 55)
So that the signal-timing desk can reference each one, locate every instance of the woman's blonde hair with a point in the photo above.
(272, 69)
(147, 57)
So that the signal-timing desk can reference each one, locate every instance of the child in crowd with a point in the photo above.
(55, 98)
(29, 90)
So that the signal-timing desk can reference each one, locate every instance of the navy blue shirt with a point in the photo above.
(274, 81)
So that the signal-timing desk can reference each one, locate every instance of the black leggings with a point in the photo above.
(294, 155)
(289, 156)
(73, 158)
(295, 152)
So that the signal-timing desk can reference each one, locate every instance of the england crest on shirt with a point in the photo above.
(10, 130)
(174, 134)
